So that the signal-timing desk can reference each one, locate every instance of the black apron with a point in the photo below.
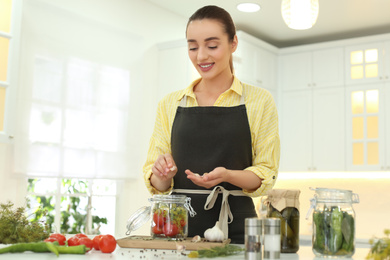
(202, 139)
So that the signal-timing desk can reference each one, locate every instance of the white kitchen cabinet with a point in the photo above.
(366, 127)
(295, 131)
(313, 130)
(367, 63)
(319, 68)
(255, 62)
(387, 126)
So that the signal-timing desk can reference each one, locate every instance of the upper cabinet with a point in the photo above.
(367, 63)
(367, 117)
(319, 68)
(255, 62)
(312, 131)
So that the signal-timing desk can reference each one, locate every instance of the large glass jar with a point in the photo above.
(333, 222)
(170, 216)
(284, 205)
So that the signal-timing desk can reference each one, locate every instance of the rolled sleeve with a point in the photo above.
(265, 144)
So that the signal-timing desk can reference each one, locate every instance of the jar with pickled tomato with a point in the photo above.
(170, 216)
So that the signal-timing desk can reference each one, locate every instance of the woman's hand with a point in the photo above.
(164, 167)
(211, 179)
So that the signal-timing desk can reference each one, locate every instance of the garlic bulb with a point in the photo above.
(214, 233)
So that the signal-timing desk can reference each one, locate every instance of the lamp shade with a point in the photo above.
(300, 14)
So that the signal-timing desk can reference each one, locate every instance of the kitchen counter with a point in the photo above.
(305, 252)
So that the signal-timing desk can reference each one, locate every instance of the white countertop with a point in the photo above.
(305, 252)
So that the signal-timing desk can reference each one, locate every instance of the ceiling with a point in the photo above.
(337, 19)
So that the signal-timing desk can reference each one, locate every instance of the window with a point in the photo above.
(77, 121)
(5, 37)
(75, 205)
(365, 127)
(364, 64)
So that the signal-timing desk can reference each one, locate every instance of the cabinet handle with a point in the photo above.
(309, 85)
(314, 168)
(10, 137)
(314, 84)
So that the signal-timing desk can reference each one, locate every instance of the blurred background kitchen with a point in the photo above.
(80, 82)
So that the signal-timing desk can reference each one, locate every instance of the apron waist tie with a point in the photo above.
(225, 215)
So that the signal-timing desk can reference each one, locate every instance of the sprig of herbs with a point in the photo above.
(16, 228)
(217, 251)
(380, 250)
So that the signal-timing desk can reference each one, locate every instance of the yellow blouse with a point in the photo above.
(263, 122)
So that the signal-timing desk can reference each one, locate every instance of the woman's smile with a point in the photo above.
(206, 66)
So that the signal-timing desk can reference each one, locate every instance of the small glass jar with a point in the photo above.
(333, 222)
(170, 216)
(284, 205)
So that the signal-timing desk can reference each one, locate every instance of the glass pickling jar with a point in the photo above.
(284, 205)
(170, 216)
(333, 222)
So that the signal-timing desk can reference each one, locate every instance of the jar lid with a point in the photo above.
(274, 222)
(335, 195)
(252, 222)
(138, 219)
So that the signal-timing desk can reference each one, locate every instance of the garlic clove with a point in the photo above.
(196, 239)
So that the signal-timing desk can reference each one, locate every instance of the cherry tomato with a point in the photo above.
(80, 235)
(170, 229)
(73, 241)
(58, 237)
(95, 241)
(158, 219)
(87, 242)
(107, 244)
(157, 230)
(182, 222)
(50, 239)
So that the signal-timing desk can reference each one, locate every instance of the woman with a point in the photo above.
(217, 140)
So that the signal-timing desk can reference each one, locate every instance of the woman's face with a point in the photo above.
(209, 48)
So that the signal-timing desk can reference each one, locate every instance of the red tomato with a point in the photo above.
(50, 239)
(87, 242)
(182, 222)
(58, 237)
(157, 230)
(107, 244)
(170, 229)
(73, 241)
(95, 241)
(80, 235)
(158, 219)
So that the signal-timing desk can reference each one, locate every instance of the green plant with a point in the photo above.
(380, 249)
(74, 207)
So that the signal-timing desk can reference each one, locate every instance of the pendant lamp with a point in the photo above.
(300, 14)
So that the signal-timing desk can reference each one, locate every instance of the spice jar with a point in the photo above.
(253, 231)
(284, 204)
(170, 216)
(271, 238)
(333, 222)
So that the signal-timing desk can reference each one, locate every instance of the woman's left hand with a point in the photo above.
(208, 180)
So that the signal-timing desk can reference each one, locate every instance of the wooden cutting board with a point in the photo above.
(148, 242)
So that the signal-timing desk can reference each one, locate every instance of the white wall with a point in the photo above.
(136, 21)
